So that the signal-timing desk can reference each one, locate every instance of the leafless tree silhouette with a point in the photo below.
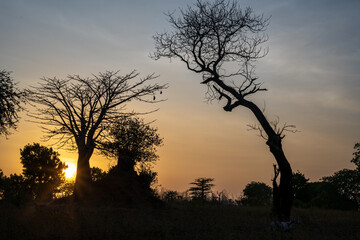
(78, 111)
(222, 41)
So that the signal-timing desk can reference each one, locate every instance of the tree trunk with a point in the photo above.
(83, 176)
(284, 194)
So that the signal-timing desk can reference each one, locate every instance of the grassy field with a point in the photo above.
(170, 222)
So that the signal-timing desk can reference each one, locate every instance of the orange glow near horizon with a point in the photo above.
(70, 171)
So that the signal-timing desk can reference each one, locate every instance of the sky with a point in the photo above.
(311, 71)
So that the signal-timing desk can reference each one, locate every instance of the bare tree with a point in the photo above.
(78, 111)
(10, 99)
(222, 41)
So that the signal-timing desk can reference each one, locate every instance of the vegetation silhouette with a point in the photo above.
(10, 99)
(97, 174)
(356, 158)
(87, 113)
(42, 178)
(221, 41)
(180, 218)
(320, 194)
(347, 181)
(256, 194)
(43, 170)
(133, 143)
(78, 111)
(15, 189)
(201, 188)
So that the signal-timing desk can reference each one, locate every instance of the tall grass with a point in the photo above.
(170, 222)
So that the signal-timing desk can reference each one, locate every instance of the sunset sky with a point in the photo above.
(312, 73)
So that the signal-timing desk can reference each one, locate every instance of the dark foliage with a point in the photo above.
(347, 183)
(299, 183)
(147, 178)
(171, 196)
(133, 142)
(42, 169)
(356, 159)
(15, 189)
(97, 174)
(256, 194)
(334, 192)
(325, 195)
(10, 99)
(201, 188)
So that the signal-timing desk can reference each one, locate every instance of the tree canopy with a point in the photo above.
(10, 99)
(201, 188)
(347, 181)
(256, 194)
(131, 139)
(42, 169)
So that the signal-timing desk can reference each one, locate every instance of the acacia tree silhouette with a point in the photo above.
(222, 42)
(78, 111)
(202, 187)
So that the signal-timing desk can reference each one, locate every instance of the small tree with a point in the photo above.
(16, 189)
(301, 188)
(222, 42)
(256, 194)
(43, 170)
(133, 142)
(347, 183)
(79, 111)
(170, 196)
(326, 195)
(299, 183)
(202, 187)
(10, 98)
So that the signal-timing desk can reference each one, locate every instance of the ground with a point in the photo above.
(169, 222)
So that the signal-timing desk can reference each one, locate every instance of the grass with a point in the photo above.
(170, 222)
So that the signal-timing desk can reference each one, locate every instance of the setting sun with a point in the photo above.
(70, 171)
